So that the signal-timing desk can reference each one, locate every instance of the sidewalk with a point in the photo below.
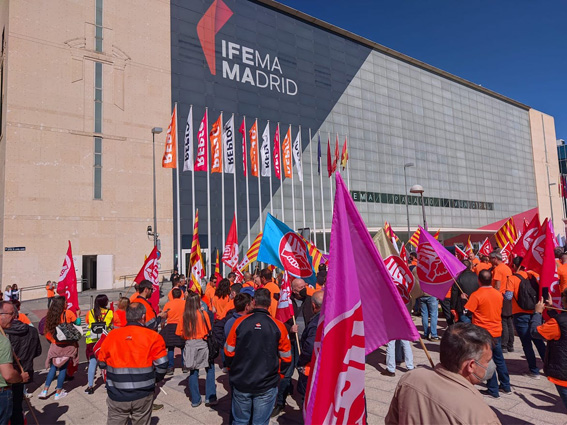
(531, 402)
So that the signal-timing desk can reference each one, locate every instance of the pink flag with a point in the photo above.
(230, 254)
(350, 328)
(67, 285)
(436, 267)
(149, 271)
(285, 306)
(277, 162)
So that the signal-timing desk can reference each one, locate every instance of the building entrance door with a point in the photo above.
(89, 272)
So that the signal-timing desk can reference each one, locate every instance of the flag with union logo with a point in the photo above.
(285, 311)
(285, 249)
(67, 284)
(526, 239)
(230, 254)
(150, 271)
(461, 255)
(485, 249)
(533, 260)
(437, 268)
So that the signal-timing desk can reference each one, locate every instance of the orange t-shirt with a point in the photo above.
(222, 305)
(24, 319)
(274, 289)
(513, 285)
(175, 313)
(119, 318)
(562, 273)
(50, 291)
(248, 284)
(485, 304)
(480, 267)
(67, 316)
(170, 295)
(209, 295)
(201, 330)
(501, 273)
(550, 331)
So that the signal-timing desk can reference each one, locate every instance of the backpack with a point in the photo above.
(527, 292)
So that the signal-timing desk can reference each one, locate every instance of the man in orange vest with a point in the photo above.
(145, 290)
(267, 281)
(135, 358)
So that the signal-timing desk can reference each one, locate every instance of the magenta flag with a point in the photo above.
(362, 310)
(436, 267)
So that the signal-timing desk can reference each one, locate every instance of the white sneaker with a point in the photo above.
(43, 394)
(59, 396)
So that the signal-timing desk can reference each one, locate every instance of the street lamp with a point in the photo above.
(407, 165)
(416, 188)
(155, 130)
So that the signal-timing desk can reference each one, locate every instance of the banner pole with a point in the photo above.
(178, 235)
(209, 251)
(223, 231)
(234, 176)
(281, 171)
(322, 198)
(247, 189)
(426, 352)
(292, 185)
(302, 185)
(312, 189)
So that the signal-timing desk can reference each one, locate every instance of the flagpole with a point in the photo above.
(281, 169)
(192, 170)
(247, 190)
(179, 265)
(302, 185)
(312, 189)
(347, 166)
(208, 205)
(222, 190)
(259, 176)
(322, 198)
(234, 177)
(292, 185)
(331, 180)
(270, 178)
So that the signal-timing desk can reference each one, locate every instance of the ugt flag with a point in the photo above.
(67, 285)
(149, 271)
(436, 267)
(284, 248)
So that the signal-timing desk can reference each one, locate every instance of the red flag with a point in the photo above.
(285, 306)
(506, 253)
(344, 155)
(548, 276)
(277, 162)
(217, 268)
(404, 254)
(149, 271)
(202, 159)
(525, 241)
(230, 254)
(330, 169)
(169, 159)
(242, 131)
(533, 260)
(486, 248)
(461, 255)
(67, 285)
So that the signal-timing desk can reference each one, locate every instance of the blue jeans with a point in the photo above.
(285, 386)
(429, 306)
(5, 406)
(210, 384)
(91, 371)
(258, 406)
(60, 378)
(522, 325)
(501, 370)
(171, 357)
(463, 318)
(391, 355)
(562, 393)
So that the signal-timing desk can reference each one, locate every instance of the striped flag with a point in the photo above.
(414, 240)
(196, 259)
(436, 235)
(217, 268)
(506, 234)
(469, 248)
(390, 233)
(252, 253)
(317, 256)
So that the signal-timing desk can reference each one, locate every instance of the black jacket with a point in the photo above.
(25, 342)
(468, 281)
(307, 341)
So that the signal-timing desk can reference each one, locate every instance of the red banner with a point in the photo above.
(149, 271)
(169, 159)
(67, 285)
(254, 149)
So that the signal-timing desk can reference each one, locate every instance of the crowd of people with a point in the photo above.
(234, 325)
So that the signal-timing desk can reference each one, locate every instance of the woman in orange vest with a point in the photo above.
(196, 326)
(221, 301)
(60, 354)
(120, 313)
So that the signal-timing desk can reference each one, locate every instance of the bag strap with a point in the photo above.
(205, 321)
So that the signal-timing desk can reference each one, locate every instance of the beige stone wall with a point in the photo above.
(49, 139)
(546, 168)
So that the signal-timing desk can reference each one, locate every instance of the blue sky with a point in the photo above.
(515, 47)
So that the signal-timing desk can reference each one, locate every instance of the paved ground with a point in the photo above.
(531, 402)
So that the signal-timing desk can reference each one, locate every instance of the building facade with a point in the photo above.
(79, 101)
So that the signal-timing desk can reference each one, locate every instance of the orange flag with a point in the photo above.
(216, 146)
(286, 149)
(170, 155)
(344, 155)
(254, 149)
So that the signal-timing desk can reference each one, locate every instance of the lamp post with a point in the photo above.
(407, 165)
(416, 188)
(155, 130)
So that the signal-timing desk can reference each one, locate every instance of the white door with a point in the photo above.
(104, 271)
(78, 260)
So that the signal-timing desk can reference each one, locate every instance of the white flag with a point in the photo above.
(297, 155)
(188, 143)
(265, 153)
(228, 141)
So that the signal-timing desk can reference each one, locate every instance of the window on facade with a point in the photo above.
(97, 168)
(98, 26)
(2, 83)
(98, 98)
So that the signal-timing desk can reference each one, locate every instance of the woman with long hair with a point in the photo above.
(221, 301)
(8, 293)
(101, 317)
(15, 295)
(196, 326)
(60, 353)
(120, 313)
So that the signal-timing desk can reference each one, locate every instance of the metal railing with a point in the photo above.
(131, 277)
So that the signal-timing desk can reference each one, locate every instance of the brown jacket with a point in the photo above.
(438, 396)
